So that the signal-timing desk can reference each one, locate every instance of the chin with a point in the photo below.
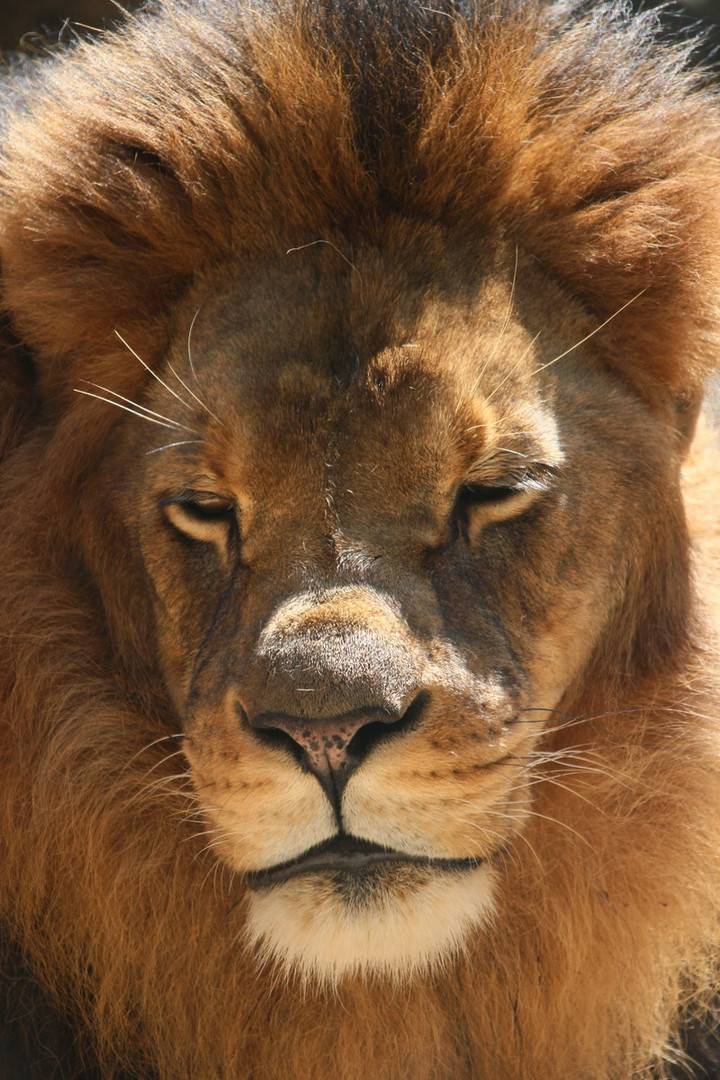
(390, 920)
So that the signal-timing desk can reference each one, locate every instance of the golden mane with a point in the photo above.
(204, 133)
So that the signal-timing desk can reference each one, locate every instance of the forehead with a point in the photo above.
(324, 382)
(373, 339)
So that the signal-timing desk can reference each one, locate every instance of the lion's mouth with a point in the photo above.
(348, 855)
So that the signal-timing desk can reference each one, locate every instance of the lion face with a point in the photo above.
(378, 544)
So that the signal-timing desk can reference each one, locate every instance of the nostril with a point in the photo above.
(375, 732)
(271, 736)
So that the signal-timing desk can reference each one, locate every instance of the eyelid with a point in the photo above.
(197, 496)
(209, 500)
(521, 476)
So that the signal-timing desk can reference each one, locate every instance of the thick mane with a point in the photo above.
(298, 122)
(207, 132)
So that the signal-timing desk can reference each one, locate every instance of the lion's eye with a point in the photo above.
(484, 494)
(202, 515)
(206, 507)
(499, 500)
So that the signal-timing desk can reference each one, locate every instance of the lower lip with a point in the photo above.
(349, 859)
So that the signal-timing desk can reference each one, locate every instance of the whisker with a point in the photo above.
(514, 368)
(150, 371)
(166, 789)
(149, 746)
(592, 332)
(215, 868)
(516, 836)
(129, 401)
(192, 394)
(572, 348)
(164, 738)
(535, 814)
(169, 446)
(580, 718)
(189, 816)
(211, 835)
(330, 244)
(135, 412)
(169, 780)
(554, 782)
(189, 349)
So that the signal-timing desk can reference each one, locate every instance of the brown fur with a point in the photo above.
(392, 252)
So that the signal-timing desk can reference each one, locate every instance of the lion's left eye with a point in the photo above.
(499, 500)
(484, 494)
(496, 502)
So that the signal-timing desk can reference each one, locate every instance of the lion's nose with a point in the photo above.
(331, 674)
(333, 747)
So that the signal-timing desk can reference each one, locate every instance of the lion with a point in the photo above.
(359, 615)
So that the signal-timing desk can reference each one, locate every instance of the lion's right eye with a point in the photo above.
(201, 515)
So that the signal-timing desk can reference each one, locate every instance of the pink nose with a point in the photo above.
(325, 744)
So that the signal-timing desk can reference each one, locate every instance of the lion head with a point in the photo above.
(351, 628)
(366, 542)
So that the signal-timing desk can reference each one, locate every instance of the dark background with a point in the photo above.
(25, 23)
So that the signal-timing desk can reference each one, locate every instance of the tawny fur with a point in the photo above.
(135, 170)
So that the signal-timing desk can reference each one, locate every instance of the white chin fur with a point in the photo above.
(396, 926)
